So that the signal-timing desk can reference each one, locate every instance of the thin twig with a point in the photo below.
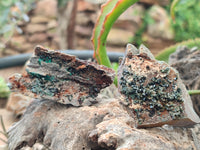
(3, 140)
(3, 126)
(5, 134)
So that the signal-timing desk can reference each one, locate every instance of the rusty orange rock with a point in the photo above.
(63, 78)
(153, 91)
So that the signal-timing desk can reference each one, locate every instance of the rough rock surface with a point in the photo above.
(103, 126)
(64, 78)
(153, 91)
(187, 62)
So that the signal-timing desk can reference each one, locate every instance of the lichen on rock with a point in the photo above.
(152, 91)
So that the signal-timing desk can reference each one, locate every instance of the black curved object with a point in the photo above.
(18, 60)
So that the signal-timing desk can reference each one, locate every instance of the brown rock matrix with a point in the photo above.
(153, 91)
(63, 78)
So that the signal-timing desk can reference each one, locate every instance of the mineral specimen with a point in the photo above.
(64, 78)
(152, 91)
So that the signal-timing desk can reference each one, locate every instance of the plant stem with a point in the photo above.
(3, 126)
(5, 134)
(172, 8)
(109, 14)
(3, 140)
(194, 92)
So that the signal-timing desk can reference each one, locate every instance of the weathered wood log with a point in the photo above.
(105, 125)
(153, 91)
(64, 78)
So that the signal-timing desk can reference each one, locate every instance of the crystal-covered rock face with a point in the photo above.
(152, 91)
(64, 78)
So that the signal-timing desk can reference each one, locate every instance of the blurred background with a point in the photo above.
(68, 24)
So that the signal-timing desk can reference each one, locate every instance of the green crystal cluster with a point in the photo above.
(42, 85)
(152, 93)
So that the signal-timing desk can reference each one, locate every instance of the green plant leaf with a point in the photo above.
(109, 14)
(9, 18)
(164, 54)
(19, 5)
(185, 14)
(6, 28)
(4, 16)
(6, 2)
(172, 8)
